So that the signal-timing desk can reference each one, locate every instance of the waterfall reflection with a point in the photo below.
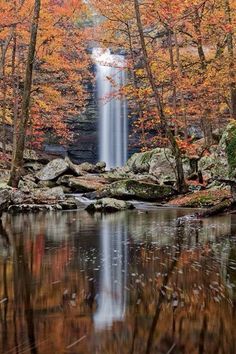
(112, 279)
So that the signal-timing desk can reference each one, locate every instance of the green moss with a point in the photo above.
(140, 190)
(201, 202)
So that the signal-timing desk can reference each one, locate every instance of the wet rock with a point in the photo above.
(32, 208)
(53, 170)
(109, 205)
(69, 204)
(128, 189)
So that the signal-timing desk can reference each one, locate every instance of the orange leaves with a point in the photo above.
(61, 63)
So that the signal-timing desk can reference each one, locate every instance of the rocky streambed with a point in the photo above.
(147, 176)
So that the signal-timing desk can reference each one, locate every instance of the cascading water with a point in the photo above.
(113, 122)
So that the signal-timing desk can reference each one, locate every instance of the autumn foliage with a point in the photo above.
(60, 66)
(191, 49)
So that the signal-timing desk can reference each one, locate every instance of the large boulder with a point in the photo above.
(53, 170)
(159, 163)
(227, 146)
(87, 183)
(221, 162)
(128, 189)
(140, 162)
(48, 195)
(109, 205)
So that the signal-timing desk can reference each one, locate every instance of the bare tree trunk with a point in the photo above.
(230, 45)
(174, 90)
(21, 128)
(197, 28)
(180, 70)
(181, 186)
(135, 81)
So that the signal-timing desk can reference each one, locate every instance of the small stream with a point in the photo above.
(144, 281)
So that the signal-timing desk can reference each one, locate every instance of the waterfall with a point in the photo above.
(113, 276)
(113, 122)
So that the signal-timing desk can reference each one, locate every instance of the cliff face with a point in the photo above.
(84, 130)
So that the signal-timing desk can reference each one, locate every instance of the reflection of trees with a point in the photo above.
(5, 245)
(162, 295)
(187, 266)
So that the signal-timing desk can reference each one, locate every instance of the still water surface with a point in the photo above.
(144, 281)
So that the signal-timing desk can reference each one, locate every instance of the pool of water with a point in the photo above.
(144, 281)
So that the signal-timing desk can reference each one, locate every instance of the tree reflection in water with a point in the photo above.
(133, 282)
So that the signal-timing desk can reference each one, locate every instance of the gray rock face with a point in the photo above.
(109, 205)
(52, 170)
(159, 163)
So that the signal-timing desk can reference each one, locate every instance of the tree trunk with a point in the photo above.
(197, 28)
(230, 45)
(21, 128)
(180, 70)
(181, 186)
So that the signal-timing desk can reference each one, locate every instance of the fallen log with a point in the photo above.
(219, 208)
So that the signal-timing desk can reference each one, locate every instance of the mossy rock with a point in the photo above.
(128, 189)
(140, 162)
(109, 205)
(228, 142)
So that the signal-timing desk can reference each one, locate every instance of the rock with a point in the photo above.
(140, 162)
(76, 169)
(128, 189)
(100, 166)
(119, 173)
(88, 167)
(228, 148)
(48, 195)
(53, 170)
(32, 155)
(159, 163)
(201, 199)
(27, 186)
(221, 162)
(47, 184)
(33, 166)
(69, 204)
(4, 185)
(109, 205)
(5, 198)
(32, 208)
(19, 197)
(83, 184)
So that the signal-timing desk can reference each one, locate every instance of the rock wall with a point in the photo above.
(84, 144)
